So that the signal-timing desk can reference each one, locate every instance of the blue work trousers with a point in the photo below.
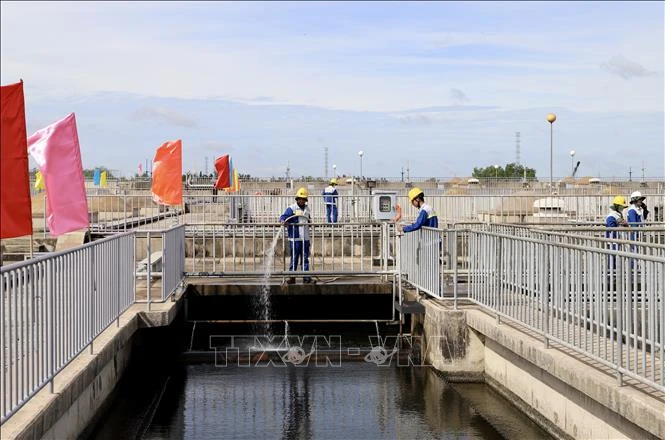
(299, 253)
(331, 213)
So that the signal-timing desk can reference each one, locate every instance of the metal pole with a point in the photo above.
(124, 209)
(92, 298)
(453, 257)
(551, 156)
(148, 272)
(51, 311)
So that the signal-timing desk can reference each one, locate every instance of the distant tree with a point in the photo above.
(511, 170)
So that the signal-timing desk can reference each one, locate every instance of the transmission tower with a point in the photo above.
(325, 166)
(517, 148)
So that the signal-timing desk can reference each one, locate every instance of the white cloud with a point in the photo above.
(86, 53)
(170, 116)
(625, 68)
(458, 95)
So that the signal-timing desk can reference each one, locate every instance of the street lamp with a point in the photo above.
(360, 153)
(335, 171)
(572, 163)
(551, 117)
(496, 171)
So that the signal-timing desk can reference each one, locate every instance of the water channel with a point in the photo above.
(173, 397)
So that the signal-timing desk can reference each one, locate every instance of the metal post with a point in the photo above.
(551, 156)
(148, 272)
(124, 208)
(119, 283)
(44, 232)
(51, 295)
(545, 287)
(619, 329)
(497, 280)
(92, 298)
(454, 265)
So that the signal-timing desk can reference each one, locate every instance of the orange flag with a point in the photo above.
(167, 174)
(15, 204)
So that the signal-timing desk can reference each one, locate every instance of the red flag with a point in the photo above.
(167, 174)
(224, 172)
(15, 204)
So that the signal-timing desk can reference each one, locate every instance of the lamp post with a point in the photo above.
(360, 153)
(496, 172)
(551, 117)
(335, 171)
(572, 163)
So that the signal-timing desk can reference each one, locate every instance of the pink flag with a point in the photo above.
(140, 169)
(58, 154)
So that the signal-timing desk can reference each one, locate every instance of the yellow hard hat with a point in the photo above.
(302, 193)
(333, 181)
(414, 192)
(619, 200)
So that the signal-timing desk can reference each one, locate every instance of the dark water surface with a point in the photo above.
(356, 400)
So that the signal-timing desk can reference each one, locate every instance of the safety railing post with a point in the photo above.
(498, 297)
(454, 264)
(165, 265)
(619, 296)
(118, 262)
(124, 209)
(148, 274)
(92, 298)
(51, 303)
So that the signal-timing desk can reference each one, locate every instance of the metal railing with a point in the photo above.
(173, 266)
(604, 303)
(53, 307)
(450, 208)
(120, 210)
(254, 249)
(432, 259)
(421, 261)
(602, 297)
(160, 261)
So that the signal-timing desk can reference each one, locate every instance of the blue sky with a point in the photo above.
(441, 87)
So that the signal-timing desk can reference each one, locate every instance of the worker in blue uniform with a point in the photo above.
(615, 219)
(637, 212)
(330, 199)
(426, 215)
(297, 217)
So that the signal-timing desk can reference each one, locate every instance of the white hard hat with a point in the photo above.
(636, 196)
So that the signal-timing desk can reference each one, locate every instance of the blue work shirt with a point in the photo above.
(426, 217)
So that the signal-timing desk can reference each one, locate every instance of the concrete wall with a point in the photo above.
(565, 395)
(84, 386)
(450, 345)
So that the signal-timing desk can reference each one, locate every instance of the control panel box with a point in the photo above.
(383, 205)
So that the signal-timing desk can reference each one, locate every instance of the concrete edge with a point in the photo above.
(43, 410)
(641, 409)
(543, 422)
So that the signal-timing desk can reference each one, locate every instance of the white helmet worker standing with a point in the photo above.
(637, 212)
